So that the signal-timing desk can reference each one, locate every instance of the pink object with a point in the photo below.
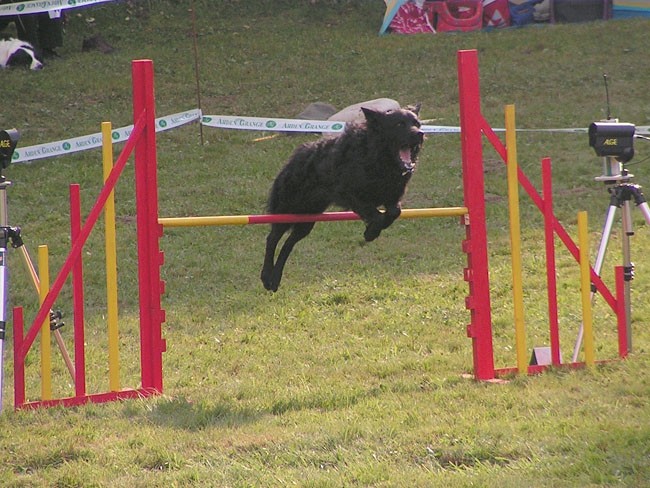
(411, 19)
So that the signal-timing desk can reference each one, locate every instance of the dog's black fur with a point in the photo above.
(366, 167)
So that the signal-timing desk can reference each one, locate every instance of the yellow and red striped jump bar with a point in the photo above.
(407, 213)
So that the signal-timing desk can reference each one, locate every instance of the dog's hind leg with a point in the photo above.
(299, 232)
(272, 240)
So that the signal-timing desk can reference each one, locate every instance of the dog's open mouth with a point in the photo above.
(408, 156)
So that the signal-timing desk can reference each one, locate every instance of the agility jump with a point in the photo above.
(150, 258)
(142, 142)
(473, 128)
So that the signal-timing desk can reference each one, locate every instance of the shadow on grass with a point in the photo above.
(322, 400)
(181, 413)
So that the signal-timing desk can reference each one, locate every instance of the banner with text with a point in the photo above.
(41, 6)
(75, 144)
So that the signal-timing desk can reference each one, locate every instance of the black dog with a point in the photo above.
(366, 167)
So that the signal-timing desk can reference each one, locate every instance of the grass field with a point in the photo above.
(353, 373)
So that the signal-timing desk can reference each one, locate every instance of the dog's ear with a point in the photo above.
(414, 108)
(371, 115)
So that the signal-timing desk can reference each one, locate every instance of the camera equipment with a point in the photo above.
(8, 140)
(613, 139)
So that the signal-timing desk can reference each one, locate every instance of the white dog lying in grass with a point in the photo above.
(14, 52)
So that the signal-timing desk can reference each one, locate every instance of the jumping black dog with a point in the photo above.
(368, 166)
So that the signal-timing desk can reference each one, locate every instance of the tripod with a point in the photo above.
(11, 235)
(622, 191)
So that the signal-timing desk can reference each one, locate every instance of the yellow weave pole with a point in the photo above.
(585, 289)
(419, 213)
(203, 221)
(515, 240)
(57, 334)
(111, 264)
(46, 348)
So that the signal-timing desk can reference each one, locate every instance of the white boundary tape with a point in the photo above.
(39, 6)
(293, 125)
(76, 144)
(273, 125)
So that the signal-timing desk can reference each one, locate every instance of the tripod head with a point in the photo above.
(8, 141)
(614, 172)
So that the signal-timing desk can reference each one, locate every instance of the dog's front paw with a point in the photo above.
(372, 232)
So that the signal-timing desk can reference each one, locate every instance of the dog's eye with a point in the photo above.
(400, 124)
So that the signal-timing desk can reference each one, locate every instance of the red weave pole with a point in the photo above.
(475, 244)
(78, 296)
(75, 250)
(621, 312)
(150, 258)
(19, 358)
(407, 213)
(551, 279)
(300, 218)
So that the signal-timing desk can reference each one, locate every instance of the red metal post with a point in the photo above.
(78, 296)
(551, 279)
(19, 358)
(150, 258)
(475, 245)
(621, 312)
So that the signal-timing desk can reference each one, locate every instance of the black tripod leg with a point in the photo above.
(640, 201)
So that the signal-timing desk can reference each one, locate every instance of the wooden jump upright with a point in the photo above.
(473, 129)
(142, 141)
(472, 126)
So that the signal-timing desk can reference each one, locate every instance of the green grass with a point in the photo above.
(352, 374)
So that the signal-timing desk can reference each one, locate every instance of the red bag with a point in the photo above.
(411, 19)
(457, 15)
(496, 13)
